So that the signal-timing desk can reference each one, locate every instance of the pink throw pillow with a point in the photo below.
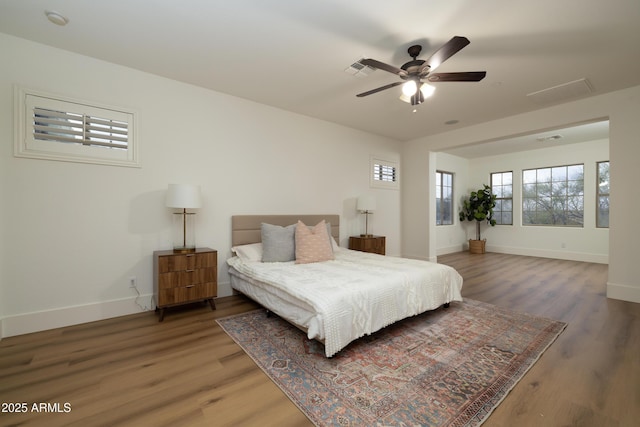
(312, 244)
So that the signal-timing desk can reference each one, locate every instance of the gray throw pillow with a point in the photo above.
(278, 243)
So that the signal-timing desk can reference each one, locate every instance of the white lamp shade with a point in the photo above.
(366, 203)
(183, 196)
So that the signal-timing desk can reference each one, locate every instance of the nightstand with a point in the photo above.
(182, 278)
(373, 244)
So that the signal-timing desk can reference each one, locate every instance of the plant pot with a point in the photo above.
(477, 246)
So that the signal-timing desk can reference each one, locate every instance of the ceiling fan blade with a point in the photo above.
(372, 91)
(447, 50)
(382, 66)
(469, 76)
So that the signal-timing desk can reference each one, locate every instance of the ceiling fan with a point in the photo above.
(415, 72)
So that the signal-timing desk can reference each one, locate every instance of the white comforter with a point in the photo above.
(357, 293)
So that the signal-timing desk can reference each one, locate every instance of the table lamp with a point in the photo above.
(184, 196)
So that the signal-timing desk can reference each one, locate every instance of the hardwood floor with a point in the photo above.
(186, 371)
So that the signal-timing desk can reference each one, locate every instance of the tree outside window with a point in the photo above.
(553, 196)
(602, 213)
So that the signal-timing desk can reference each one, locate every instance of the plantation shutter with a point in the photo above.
(384, 173)
(61, 126)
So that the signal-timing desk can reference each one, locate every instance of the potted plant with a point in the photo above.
(479, 207)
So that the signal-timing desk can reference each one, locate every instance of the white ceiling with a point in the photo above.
(292, 54)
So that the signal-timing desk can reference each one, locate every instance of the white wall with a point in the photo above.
(622, 108)
(586, 243)
(72, 234)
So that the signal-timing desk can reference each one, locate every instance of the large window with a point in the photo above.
(444, 198)
(553, 196)
(502, 187)
(602, 214)
(57, 128)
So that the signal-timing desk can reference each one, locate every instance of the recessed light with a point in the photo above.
(56, 18)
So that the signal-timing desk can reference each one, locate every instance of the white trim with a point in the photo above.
(27, 323)
(26, 146)
(623, 292)
(546, 253)
(57, 318)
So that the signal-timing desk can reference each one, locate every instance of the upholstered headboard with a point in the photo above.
(245, 229)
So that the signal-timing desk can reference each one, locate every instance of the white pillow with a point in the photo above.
(249, 253)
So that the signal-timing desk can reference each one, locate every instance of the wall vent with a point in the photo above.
(358, 69)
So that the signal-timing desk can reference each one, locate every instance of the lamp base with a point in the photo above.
(366, 235)
(184, 236)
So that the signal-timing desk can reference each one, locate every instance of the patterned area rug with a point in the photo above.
(447, 367)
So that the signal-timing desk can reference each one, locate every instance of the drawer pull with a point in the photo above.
(189, 286)
(189, 271)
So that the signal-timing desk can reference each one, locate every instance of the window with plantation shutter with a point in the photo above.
(384, 173)
(54, 128)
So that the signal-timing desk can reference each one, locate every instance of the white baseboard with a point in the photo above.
(623, 292)
(451, 249)
(545, 253)
(27, 323)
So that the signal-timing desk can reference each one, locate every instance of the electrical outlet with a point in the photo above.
(133, 281)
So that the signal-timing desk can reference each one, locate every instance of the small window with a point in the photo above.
(53, 128)
(602, 214)
(444, 198)
(384, 173)
(502, 187)
(553, 196)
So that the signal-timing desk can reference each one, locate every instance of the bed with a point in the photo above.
(341, 299)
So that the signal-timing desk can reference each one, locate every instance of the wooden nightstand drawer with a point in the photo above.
(176, 279)
(184, 262)
(180, 278)
(179, 295)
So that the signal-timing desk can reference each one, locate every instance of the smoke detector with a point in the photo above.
(56, 18)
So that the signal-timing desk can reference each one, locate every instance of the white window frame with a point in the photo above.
(374, 173)
(501, 199)
(28, 146)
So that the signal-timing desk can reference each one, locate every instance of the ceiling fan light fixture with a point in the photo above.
(409, 88)
(426, 91)
(417, 99)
